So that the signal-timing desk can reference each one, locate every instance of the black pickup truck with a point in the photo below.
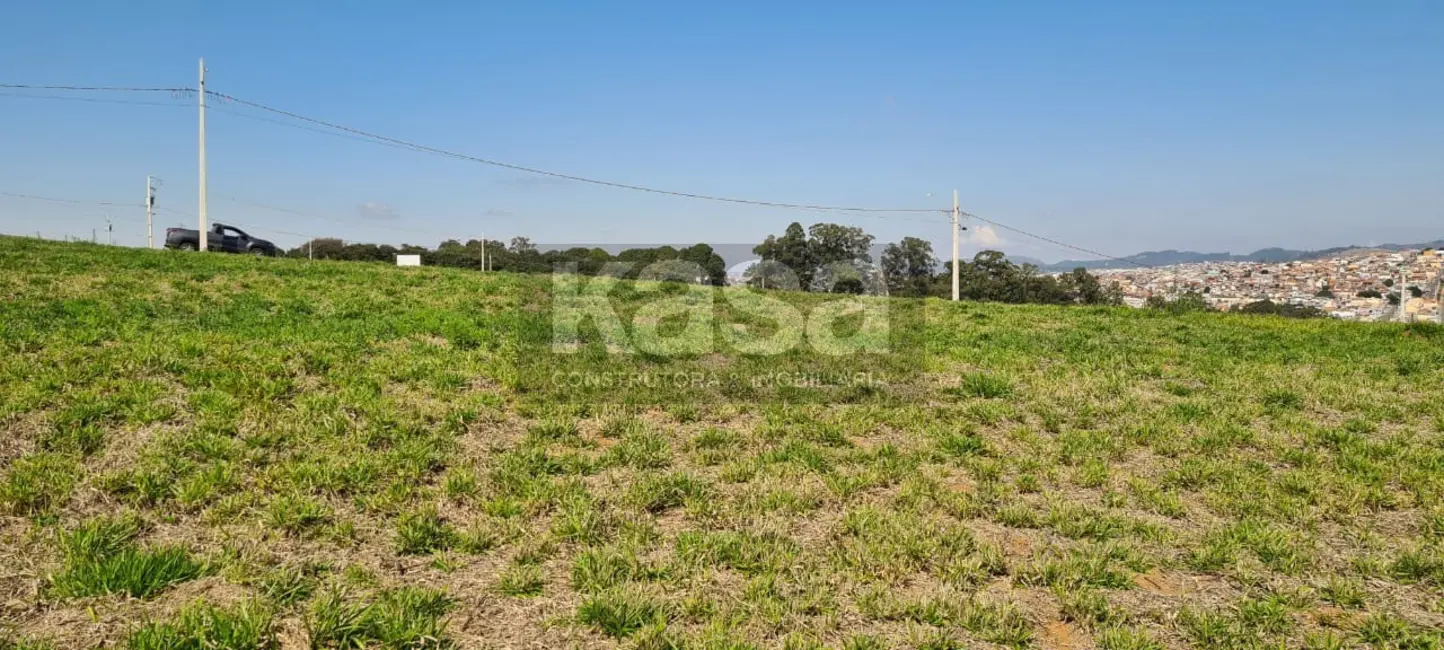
(223, 238)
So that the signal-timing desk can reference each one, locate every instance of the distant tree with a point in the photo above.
(712, 264)
(1370, 293)
(1083, 287)
(672, 270)
(1186, 303)
(521, 246)
(362, 253)
(830, 242)
(1113, 295)
(990, 277)
(324, 248)
(1270, 308)
(1325, 292)
(820, 257)
(453, 253)
(840, 258)
(1416, 292)
(907, 267)
(769, 274)
(791, 251)
(1389, 282)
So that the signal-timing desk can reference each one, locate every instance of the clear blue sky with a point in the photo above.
(1120, 126)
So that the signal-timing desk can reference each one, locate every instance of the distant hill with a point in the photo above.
(1169, 257)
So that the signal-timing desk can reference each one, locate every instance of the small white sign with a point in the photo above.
(408, 260)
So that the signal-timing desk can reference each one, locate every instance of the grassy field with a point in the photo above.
(205, 451)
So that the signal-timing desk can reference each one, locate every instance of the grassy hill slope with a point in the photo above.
(232, 452)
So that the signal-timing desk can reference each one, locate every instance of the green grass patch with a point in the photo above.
(202, 626)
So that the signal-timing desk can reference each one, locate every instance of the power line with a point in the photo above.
(303, 127)
(132, 89)
(370, 140)
(70, 201)
(569, 177)
(1058, 243)
(94, 100)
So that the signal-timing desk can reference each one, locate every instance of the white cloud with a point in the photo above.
(376, 211)
(983, 236)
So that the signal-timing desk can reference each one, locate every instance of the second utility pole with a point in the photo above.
(149, 212)
(202, 95)
(955, 245)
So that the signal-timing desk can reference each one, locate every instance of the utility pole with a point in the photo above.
(149, 212)
(956, 216)
(1439, 298)
(1438, 294)
(483, 251)
(1403, 293)
(311, 249)
(109, 231)
(202, 96)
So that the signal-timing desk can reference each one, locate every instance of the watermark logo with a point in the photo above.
(607, 328)
(668, 312)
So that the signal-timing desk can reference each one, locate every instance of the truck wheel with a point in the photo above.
(258, 251)
(186, 246)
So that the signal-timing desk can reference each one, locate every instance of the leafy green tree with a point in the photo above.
(1187, 303)
(769, 274)
(841, 259)
(791, 250)
(710, 262)
(908, 267)
(830, 243)
(1271, 308)
(1083, 287)
(522, 246)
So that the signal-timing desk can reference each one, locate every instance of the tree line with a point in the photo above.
(832, 257)
(522, 256)
(824, 257)
(1194, 301)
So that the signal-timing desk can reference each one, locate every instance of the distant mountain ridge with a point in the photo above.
(1170, 257)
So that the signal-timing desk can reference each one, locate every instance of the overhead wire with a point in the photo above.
(1056, 241)
(570, 177)
(303, 127)
(134, 89)
(93, 100)
(70, 201)
(366, 136)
